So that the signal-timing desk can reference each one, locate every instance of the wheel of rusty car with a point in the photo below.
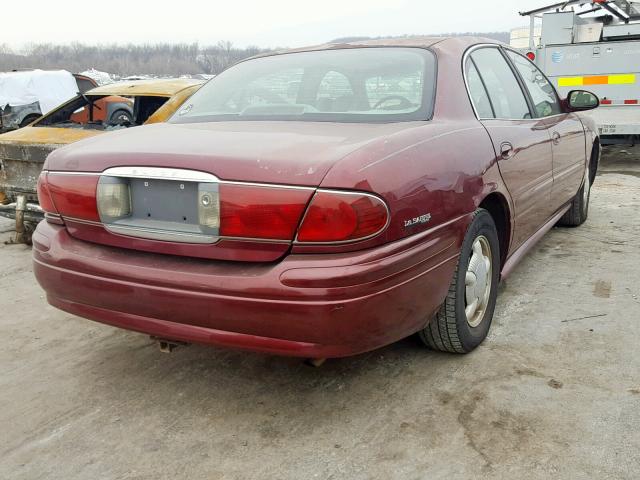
(463, 321)
(120, 117)
(579, 210)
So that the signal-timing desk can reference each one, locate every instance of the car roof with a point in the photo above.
(159, 87)
(410, 42)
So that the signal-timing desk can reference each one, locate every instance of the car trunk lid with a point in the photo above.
(297, 153)
(269, 168)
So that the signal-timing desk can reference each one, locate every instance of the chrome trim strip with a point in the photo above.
(202, 177)
(344, 242)
(466, 56)
(58, 172)
(53, 218)
(161, 173)
(236, 239)
(163, 235)
(80, 220)
(258, 240)
(266, 185)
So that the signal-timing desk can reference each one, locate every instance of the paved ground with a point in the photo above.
(553, 393)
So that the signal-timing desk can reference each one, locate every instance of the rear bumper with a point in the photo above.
(306, 305)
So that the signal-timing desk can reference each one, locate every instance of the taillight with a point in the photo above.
(113, 198)
(44, 196)
(335, 216)
(209, 206)
(133, 205)
(271, 213)
(74, 196)
(531, 56)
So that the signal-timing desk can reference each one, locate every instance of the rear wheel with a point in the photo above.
(579, 210)
(463, 321)
(120, 117)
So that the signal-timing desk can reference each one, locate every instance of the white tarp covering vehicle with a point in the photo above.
(31, 93)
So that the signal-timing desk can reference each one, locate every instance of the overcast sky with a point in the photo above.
(266, 23)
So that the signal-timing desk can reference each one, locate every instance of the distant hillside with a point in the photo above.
(500, 36)
(122, 60)
(157, 59)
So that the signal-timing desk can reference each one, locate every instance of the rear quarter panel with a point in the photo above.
(430, 174)
(439, 170)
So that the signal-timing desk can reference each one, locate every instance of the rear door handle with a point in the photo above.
(555, 136)
(506, 150)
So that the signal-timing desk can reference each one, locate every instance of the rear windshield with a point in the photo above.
(345, 85)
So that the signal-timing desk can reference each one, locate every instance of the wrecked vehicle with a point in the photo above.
(25, 95)
(322, 202)
(102, 109)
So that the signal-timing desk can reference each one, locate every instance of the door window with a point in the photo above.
(505, 93)
(478, 93)
(542, 92)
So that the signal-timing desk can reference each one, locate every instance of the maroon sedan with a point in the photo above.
(321, 202)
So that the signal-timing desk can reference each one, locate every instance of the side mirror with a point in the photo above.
(581, 100)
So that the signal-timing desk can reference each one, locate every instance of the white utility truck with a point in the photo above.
(594, 45)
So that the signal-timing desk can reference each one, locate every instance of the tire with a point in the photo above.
(119, 117)
(451, 330)
(579, 210)
(28, 119)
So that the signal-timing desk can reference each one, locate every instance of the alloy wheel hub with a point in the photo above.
(478, 281)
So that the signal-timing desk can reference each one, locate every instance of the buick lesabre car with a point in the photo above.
(321, 202)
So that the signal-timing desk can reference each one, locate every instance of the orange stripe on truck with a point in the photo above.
(597, 80)
(618, 79)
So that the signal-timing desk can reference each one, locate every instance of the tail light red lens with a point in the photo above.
(335, 216)
(44, 196)
(74, 196)
(250, 211)
(261, 212)
(531, 56)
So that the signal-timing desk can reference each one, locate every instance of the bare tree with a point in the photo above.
(123, 60)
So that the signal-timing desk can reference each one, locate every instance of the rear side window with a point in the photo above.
(478, 93)
(504, 91)
(542, 92)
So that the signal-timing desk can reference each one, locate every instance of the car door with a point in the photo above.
(567, 132)
(522, 143)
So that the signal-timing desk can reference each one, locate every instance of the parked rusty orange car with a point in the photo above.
(99, 110)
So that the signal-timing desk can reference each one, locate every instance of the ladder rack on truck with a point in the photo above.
(594, 45)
